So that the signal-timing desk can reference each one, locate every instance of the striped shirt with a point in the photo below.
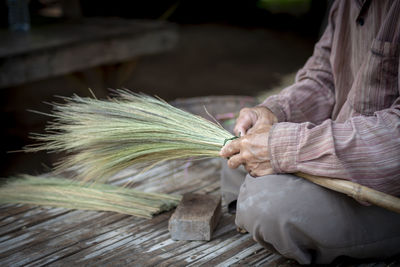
(341, 117)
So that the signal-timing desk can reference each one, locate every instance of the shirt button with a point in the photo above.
(360, 21)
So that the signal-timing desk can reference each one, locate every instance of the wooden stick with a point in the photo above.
(356, 191)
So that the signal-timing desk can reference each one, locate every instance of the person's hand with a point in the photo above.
(251, 119)
(251, 150)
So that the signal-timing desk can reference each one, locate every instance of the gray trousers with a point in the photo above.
(306, 222)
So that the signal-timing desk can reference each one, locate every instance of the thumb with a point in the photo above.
(240, 131)
(242, 127)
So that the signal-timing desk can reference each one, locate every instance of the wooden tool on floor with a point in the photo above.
(195, 217)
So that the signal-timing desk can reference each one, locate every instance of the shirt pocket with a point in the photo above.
(376, 84)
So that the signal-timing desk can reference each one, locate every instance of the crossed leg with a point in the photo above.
(308, 223)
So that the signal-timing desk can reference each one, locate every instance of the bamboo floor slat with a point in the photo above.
(38, 236)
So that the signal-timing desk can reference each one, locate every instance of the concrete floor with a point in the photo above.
(210, 59)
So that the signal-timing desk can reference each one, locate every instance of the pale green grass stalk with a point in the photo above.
(103, 137)
(66, 193)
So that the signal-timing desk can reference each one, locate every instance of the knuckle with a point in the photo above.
(244, 110)
(245, 142)
(246, 155)
(231, 147)
(236, 129)
(232, 164)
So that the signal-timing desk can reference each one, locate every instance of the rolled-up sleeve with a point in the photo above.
(364, 144)
(364, 149)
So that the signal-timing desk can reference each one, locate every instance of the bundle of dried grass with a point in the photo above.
(106, 136)
(66, 193)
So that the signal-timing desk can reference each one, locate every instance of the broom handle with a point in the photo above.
(356, 191)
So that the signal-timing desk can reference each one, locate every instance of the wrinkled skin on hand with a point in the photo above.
(251, 149)
(250, 119)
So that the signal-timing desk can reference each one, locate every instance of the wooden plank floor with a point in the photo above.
(37, 236)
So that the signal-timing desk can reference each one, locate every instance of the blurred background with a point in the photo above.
(173, 49)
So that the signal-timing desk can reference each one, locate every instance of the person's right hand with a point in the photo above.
(251, 119)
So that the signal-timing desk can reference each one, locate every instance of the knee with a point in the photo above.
(306, 222)
(263, 204)
(270, 208)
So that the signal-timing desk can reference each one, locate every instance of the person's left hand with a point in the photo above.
(251, 150)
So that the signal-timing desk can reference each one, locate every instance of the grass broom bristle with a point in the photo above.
(103, 137)
(66, 193)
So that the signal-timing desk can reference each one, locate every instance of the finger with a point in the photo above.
(245, 121)
(242, 126)
(259, 173)
(259, 124)
(261, 169)
(230, 149)
(251, 167)
(235, 161)
(251, 130)
(247, 168)
(239, 131)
